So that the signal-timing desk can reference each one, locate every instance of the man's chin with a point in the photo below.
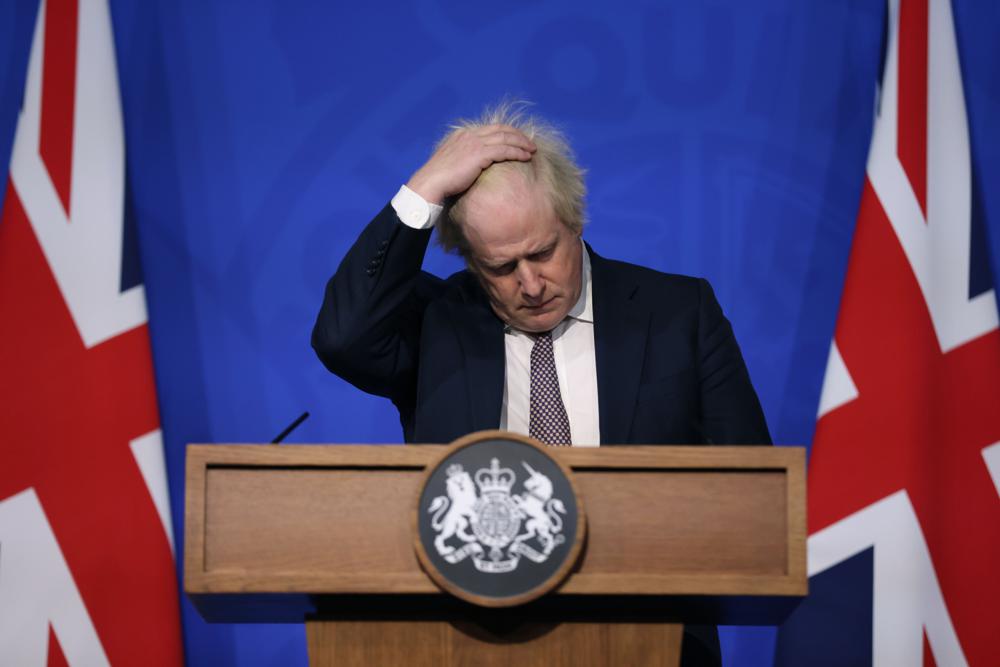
(538, 323)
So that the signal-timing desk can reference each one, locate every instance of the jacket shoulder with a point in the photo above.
(649, 284)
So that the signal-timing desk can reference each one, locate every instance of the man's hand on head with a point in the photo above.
(457, 163)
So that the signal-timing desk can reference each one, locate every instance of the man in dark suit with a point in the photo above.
(539, 334)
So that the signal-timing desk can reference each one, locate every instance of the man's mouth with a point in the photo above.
(540, 306)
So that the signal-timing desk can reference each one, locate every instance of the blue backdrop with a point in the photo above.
(723, 139)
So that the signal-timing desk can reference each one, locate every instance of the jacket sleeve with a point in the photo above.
(730, 411)
(368, 328)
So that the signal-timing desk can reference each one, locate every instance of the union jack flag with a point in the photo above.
(86, 560)
(904, 513)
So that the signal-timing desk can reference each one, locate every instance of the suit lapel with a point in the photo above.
(621, 327)
(481, 336)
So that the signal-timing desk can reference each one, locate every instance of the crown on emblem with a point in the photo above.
(495, 478)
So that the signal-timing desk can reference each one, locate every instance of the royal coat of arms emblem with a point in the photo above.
(498, 521)
(480, 518)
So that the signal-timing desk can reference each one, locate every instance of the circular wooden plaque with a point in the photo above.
(498, 520)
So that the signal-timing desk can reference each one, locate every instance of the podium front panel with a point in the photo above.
(689, 522)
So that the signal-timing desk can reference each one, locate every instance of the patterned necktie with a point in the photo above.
(548, 421)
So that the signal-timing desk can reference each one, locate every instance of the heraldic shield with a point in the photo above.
(498, 520)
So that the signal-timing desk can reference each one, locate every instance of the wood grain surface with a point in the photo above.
(336, 519)
(454, 644)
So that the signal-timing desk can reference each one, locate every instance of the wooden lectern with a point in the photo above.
(323, 534)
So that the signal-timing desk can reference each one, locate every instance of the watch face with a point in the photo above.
(498, 521)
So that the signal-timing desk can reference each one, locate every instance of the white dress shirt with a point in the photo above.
(572, 346)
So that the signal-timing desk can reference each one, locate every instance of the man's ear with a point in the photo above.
(578, 233)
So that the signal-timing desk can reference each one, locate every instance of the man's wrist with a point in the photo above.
(426, 188)
(415, 211)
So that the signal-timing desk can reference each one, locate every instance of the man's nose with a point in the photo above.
(532, 285)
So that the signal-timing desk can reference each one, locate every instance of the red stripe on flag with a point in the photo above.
(56, 657)
(911, 131)
(58, 94)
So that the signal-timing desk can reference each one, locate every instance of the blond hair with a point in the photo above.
(553, 165)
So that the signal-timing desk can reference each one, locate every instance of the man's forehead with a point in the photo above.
(495, 255)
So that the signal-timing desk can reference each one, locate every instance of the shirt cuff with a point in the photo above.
(414, 211)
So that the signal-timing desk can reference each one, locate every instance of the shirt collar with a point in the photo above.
(583, 309)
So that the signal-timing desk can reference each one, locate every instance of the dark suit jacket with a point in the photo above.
(669, 370)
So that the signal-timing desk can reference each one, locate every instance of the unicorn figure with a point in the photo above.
(541, 510)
